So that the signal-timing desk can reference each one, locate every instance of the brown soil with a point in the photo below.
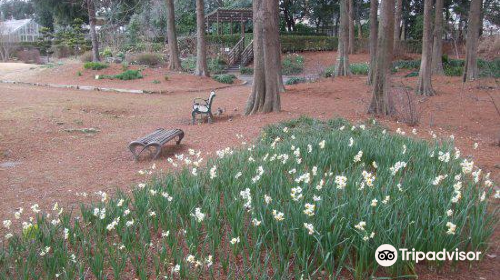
(154, 79)
(46, 164)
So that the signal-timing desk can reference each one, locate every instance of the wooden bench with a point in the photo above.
(156, 139)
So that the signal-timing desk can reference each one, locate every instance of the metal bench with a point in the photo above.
(156, 139)
(203, 108)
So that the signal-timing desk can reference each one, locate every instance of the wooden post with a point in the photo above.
(218, 24)
(242, 26)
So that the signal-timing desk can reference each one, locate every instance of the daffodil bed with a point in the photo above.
(309, 199)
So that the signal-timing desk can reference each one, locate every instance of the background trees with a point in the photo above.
(424, 86)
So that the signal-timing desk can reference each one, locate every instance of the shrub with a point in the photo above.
(125, 76)
(225, 78)
(86, 57)
(328, 73)
(406, 64)
(156, 82)
(295, 80)
(29, 56)
(292, 64)
(359, 68)
(107, 53)
(95, 65)
(246, 70)
(215, 65)
(453, 70)
(489, 68)
(277, 212)
(294, 43)
(62, 51)
(148, 59)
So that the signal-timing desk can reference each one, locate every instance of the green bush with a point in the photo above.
(406, 64)
(356, 69)
(292, 64)
(489, 68)
(215, 65)
(359, 68)
(225, 78)
(453, 70)
(296, 43)
(295, 80)
(246, 71)
(95, 65)
(107, 53)
(125, 76)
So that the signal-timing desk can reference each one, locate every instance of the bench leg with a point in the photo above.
(181, 136)
(133, 149)
(157, 148)
(210, 116)
(193, 114)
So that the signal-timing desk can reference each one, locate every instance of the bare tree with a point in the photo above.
(424, 85)
(397, 25)
(265, 96)
(174, 61)
(201, 49)
(373, 39)
(350, 12)
(382, 103)
(342, 67)
(6, 44)
(93, 33)
(470, 69)
(437, 49)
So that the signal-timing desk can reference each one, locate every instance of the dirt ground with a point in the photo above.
(44, 160)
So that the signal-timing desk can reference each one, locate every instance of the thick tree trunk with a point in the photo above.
(174, 61)
(397, 26)
(437, 49)
(373, 39)
(265, 96)
(342, 67)
(350, 11)
(201, 49)
(424, 85)
(93, 32)
(382, 103)
(470, 69)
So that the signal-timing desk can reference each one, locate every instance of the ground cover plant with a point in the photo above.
(124, 76)
(215, 65)
(296, 80)
(225, 78)
(308, 198)
(95, 65)
(292, 64)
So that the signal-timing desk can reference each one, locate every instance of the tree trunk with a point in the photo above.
(424, 86)
(437, 49)
(201, 49)
(342, 67)
(174, 62)
(397, 26)
(470, 69)
(265, 96)
(373, 39)
(382, 103)
(350, 11)
(93, 33)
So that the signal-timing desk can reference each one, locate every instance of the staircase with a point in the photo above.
(239, 56)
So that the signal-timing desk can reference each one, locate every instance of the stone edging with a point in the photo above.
(94, 88)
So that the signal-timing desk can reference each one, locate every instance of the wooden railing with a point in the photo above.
(235, 54)
(247, 54)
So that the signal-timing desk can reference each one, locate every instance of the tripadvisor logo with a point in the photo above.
(386, 255)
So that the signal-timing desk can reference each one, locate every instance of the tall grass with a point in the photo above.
(244, 216)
